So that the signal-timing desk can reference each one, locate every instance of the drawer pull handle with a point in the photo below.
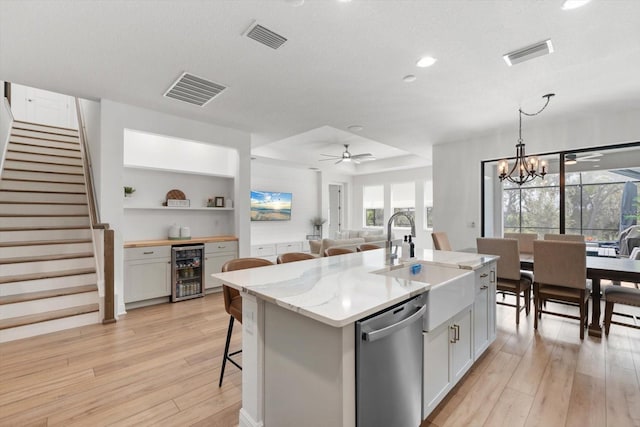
(484, 275)
(147, 253)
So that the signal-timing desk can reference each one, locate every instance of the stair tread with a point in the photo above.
(11, 149)
(17, 124)
(40, 203)
(51, 293)
(49, 315)
(39, 258)
(9, 168)
(47, 275)
(6, 190)
(44, 242)
(45, 227)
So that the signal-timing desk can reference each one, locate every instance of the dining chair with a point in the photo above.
(337, 251)
(367, 247)
(619, 295)
(510, 279)
(441, 241)
(525, 241)
(565, 237)
(293, 256)
(560, 274)
(233, 304)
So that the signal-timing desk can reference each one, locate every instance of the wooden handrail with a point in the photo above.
(88, 174)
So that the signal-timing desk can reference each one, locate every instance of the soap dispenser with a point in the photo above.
(405, 249)
(412, 248)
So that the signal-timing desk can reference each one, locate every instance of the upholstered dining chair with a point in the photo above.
(293, 256)
(441, 241)
(510, 279)
(525, 241)
(560, 274)
(337, 251)
(367, 247)
(233, 304)
(619, 295)
(565, 237)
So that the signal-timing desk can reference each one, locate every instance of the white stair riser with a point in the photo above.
(7, 184)
(44, 143)
(36, 250)
(43, 158)
(44, 135)
(22, 197)
(44, 128)
(42, 176)
(47, 266)
(31, 235)
(38, 209)
(50, 326)
(41, 167)
(47, 304)
(46, 151)
(45, 221)
(17, 288)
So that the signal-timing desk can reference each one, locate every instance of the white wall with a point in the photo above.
(421, 177)
(115, 118)
(303, 184)
(456, 166)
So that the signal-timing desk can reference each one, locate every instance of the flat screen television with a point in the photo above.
(270, 206)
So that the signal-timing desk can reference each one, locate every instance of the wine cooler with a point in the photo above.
(187, 272)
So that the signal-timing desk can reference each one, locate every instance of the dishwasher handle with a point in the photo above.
(381, 333)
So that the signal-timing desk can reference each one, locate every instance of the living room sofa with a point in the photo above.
(349, 239)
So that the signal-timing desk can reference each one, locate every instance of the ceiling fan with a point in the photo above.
(348, 157)
(572, 158)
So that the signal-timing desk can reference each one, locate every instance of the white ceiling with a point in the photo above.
(343, 64)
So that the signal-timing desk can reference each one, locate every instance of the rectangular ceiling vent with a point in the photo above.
(265, 36)
(529, 52)
(194, 90)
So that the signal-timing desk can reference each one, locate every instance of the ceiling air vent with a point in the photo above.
(194, 90)
(529, 52)
(265, 36)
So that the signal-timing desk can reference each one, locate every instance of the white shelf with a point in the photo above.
(176, 208)
(179, 171)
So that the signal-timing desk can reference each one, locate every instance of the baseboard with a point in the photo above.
(247, 420)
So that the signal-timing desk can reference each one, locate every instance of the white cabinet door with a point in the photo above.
(461, 348)
(484, 323)
(215, 255)
(437, 378)
(146, 279)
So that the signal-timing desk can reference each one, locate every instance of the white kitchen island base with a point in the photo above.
(299, 358)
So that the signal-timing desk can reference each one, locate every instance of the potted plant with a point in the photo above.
(128, 191)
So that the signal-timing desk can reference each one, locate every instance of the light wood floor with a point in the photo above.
(160, 365)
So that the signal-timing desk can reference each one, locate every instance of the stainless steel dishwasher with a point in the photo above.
(389, 364)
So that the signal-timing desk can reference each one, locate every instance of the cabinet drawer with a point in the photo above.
(221, 247)
(283, 248)
(484, 277)
(147, 253)
(263, 250)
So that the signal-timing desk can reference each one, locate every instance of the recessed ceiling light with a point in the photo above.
(409, 78)
(426, 61)
(355, 128)
(573, 4)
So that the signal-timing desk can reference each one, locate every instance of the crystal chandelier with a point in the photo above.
(525, 168)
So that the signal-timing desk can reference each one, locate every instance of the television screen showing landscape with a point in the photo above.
(270, 206)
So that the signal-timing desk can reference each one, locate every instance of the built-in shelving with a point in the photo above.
(177, 208)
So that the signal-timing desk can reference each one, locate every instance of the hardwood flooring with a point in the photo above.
(159, 365)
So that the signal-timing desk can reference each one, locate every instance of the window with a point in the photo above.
(403, 198)
(373, 204)
(532, 207)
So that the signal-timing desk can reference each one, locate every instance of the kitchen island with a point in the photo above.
(299, 361)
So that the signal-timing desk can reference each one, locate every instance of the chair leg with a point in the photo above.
(582, 313)
(527, 301)
(536, 307)
(226, 349)
(608, 312)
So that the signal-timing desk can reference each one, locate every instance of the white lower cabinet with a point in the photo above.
(484, 321)
(215, 255)
(147, 273)
(448, 355)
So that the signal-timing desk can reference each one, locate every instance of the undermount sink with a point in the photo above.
(452, 289)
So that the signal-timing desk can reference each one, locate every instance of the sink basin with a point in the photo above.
(452, 289)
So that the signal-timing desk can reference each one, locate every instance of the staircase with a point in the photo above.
(48, 278)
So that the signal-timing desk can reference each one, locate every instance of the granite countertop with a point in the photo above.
(341, 289)
(167, 242)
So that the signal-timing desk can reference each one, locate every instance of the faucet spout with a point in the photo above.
(406, 214)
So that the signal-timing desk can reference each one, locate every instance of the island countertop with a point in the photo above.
(340, 290)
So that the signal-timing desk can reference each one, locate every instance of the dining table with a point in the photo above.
(598, 268)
